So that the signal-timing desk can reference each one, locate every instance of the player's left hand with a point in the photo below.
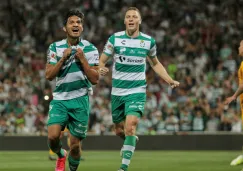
(229, 100)
(103, 71)
(174, 84)
(79, 54)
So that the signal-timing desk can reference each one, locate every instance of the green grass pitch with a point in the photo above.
(110, 161)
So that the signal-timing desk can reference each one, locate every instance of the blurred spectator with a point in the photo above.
(198, 121)
(172, 122)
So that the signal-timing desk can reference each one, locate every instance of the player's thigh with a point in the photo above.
(58, 114)
(117, 109)
(135, 105)
(78, 117)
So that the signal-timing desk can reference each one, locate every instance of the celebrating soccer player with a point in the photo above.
(129, 50)
(238, 92)
(74, 64)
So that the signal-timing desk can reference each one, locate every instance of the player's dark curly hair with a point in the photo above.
(73, 13)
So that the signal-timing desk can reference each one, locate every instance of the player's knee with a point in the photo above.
(53, 137)
(130, 128)
(75, 149)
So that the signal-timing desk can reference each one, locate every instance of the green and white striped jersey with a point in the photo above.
(129, 63)
(71, 81)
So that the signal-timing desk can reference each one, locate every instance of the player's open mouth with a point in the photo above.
(131, 24)
(75, 30)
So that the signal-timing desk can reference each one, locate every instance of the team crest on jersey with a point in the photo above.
(142, 43)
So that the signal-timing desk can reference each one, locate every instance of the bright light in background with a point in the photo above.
(46, 97)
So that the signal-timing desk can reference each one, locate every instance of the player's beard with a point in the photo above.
(72, 35)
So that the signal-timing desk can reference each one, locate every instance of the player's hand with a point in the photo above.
(80, 54)
(174, 84)
(103, 71)
(229, 100)
(66, 53)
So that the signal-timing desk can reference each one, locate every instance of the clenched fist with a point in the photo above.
(103, 71)
(174, 84)
(66, 53)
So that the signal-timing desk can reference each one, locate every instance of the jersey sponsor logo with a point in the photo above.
(132, 51)
(142, 52)
(80, 125)
(122, 58)
(140, 107)
(133, 106)
(122, 50)
(80, 131)
(123, 42)
(134, 60)
(130, 60)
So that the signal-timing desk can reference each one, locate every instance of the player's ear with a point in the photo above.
(140, 21)
(64, 29)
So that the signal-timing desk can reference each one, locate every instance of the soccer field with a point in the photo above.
(110, 161)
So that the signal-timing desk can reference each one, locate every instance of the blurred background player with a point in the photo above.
(72, 61)
(130, 49)
(239, 91)
(52, 155)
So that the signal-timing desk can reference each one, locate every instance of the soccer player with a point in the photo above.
(238, 92)
(74, 64)
(129, 50)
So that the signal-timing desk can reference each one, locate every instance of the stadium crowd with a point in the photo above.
(197, 42)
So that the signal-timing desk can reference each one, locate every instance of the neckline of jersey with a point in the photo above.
(133, 37)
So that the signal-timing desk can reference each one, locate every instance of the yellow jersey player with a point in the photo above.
(238, 92)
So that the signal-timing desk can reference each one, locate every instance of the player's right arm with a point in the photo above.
(107, 53)
(53, 66)
(158, 67)
(238, 92)
(103, 60)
